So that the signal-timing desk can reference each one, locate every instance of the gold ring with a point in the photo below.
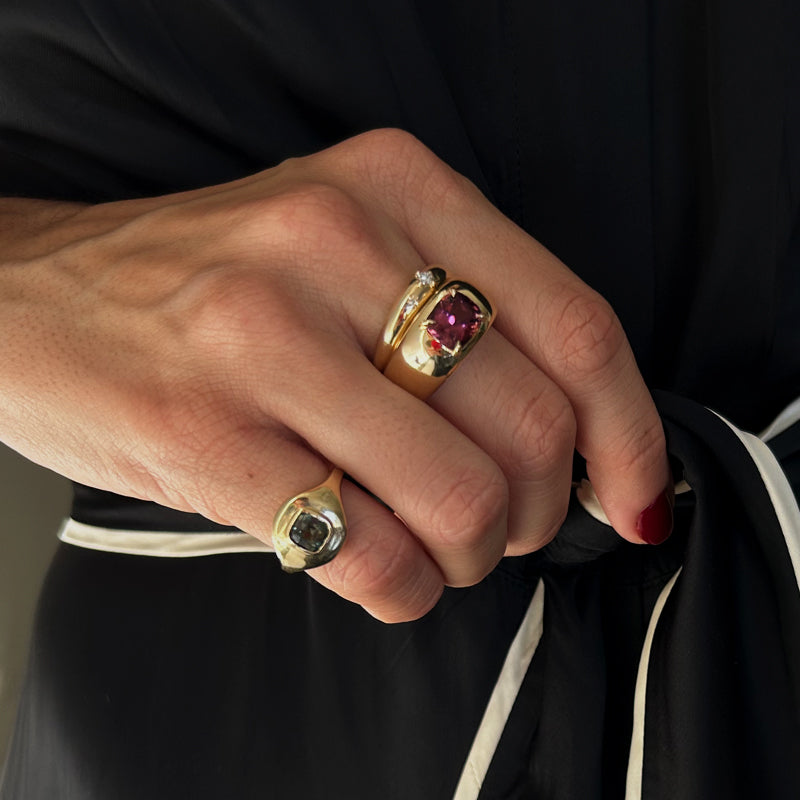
(430, 331)
(419, 291)
(436, 336)
(310, 527)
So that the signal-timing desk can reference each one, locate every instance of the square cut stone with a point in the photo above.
(453, 322)
(309, 532)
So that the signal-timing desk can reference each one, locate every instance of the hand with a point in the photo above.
(211, 351)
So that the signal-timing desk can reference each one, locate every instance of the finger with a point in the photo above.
(575, 337)
(561, 324)
(620, 432)
(517, 415)
(381, 566)
(250, 473)
(447, 490)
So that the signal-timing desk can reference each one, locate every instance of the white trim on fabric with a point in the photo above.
(518, 659)
(780, 492)
(788, 417)
(166, 544)
(633, 789)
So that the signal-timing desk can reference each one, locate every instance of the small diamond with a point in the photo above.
(309, 532)
(426, 278)
(410, 306)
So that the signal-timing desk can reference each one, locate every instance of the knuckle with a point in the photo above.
(395, 142)
(239, 225)
(409, 174)
(446, 192)
(314, 203)
(322, 220)
(588, 335)
(302, 217)
(382, 571)
(232, 307)
(469, 508)
(239, 319)
(640, 449)
(544, 434)
(388, 149)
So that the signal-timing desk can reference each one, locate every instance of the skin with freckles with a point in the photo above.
(211, 351)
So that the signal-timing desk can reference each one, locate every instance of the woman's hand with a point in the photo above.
(212, 350)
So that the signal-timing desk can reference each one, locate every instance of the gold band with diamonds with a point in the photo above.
(419, 291)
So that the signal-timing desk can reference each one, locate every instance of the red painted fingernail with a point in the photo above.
(654, 524)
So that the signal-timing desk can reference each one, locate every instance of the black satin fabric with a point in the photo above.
(221, 676)
(722, 703)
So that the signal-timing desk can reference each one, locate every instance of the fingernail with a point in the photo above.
(654, 524)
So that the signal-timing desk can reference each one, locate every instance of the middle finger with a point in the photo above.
(519, 417)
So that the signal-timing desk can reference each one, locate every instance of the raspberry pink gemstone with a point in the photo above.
(453, 322)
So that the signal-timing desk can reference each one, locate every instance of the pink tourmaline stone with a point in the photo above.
(454, 321)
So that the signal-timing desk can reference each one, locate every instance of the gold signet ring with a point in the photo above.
(310, 527)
